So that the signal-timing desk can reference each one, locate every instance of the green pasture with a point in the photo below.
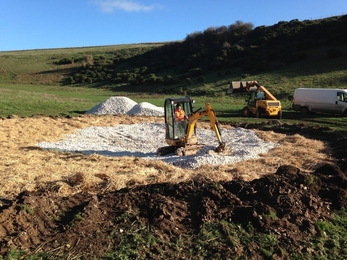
(31, 100)
(25, 94)
(31, 83)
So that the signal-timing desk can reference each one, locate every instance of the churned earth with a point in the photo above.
(77, 206)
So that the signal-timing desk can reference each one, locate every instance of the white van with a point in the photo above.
(323, 100)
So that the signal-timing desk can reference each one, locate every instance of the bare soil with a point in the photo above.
(78, 206)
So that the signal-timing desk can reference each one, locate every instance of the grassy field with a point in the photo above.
(31, 100)
(30, 84)
(27, 100)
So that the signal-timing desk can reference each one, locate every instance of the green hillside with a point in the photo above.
(282, 57)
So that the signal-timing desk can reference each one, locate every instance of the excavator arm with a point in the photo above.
(213, 121)
(268, 94)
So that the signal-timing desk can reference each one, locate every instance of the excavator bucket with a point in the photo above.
(222, 149)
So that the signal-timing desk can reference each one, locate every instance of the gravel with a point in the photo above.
(125, 106)
(143, 140)
(146, 109)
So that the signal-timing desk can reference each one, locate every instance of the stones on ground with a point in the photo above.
(146, 109)
(143, 140)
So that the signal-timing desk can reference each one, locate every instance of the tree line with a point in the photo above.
(221, 49)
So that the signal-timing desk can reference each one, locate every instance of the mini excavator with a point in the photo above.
(180, 135)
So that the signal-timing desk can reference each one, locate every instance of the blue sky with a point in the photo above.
(44, 24)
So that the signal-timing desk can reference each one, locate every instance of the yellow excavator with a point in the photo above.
(260, 102)
(180, 135)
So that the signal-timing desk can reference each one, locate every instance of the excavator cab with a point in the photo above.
(176, 129)
(253, 97)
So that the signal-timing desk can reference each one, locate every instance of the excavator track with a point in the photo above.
(166, 150)
(180, 151)
(191, 150)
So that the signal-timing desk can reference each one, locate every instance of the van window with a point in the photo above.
(341, 96)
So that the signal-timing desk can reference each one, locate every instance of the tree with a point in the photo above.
(240, 28)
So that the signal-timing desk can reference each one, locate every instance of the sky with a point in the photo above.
(46, 24)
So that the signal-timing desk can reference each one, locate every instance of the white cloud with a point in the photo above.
(108, 6)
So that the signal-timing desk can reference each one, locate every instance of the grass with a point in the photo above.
(39, 66)
(26, 208)
(216, 241)
(26, 100)
(30, 85)
(29, 100)
(25, 94)
(331, 239)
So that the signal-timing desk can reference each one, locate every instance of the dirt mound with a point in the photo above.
(273, 216)
(286, 204)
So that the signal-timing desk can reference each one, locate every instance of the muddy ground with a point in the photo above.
(93, 223)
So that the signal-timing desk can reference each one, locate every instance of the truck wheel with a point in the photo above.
(303, 111)
(279, 115)
(246, 112)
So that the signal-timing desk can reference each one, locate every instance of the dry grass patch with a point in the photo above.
(23, 166)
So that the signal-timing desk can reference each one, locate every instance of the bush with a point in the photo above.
(189, 81)
(334, 53)
(201, 79)
(196, 72)
(64, 61)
